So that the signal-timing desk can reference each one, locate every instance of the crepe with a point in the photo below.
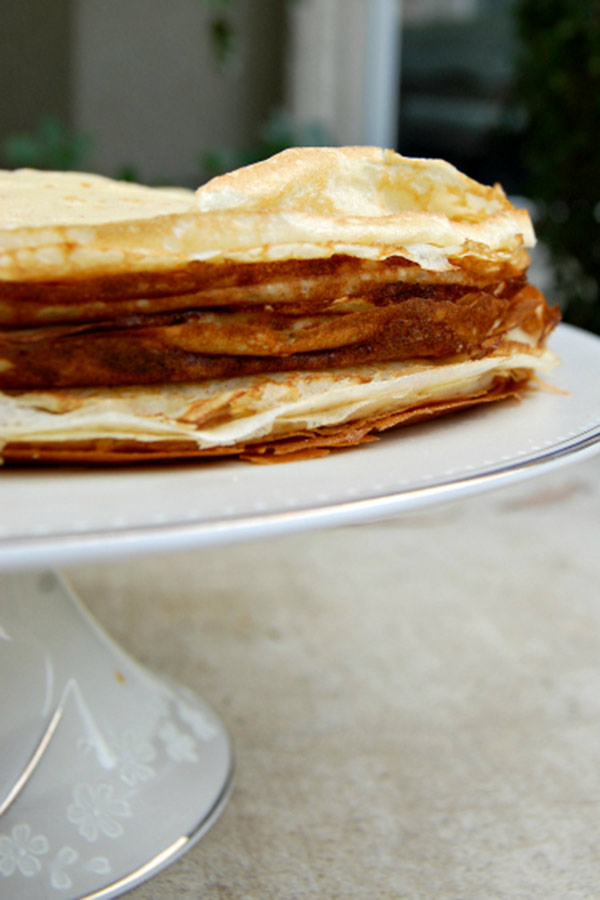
(301, 303)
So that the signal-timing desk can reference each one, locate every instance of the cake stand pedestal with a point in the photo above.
(108, 772)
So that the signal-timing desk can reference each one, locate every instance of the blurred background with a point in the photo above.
(175, 91)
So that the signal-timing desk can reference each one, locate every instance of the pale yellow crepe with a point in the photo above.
(302, 203)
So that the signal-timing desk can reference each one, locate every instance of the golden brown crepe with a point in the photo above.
(304, 302)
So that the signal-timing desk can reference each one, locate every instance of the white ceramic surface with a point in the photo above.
(59, 516)
(106, 773)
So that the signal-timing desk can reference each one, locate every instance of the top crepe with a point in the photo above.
(301, 204)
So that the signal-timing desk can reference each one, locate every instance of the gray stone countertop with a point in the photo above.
(414, 703)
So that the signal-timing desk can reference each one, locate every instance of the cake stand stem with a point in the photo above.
(107, 772)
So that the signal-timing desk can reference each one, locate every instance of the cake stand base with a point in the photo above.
(107, 773)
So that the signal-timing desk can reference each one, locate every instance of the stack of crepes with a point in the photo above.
(306, 302)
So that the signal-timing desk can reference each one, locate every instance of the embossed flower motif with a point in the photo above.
(21, 850)
(99, 865)
(95, 811)
(65, 857)
(134, 755)
(181, 747)
(200, 724)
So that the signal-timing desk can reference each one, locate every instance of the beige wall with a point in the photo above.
(34, 62)
(147, 87)
(140, 77)
(344, 68)
(325, 67)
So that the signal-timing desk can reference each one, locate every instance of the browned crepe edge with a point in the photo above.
(297, 446)
(169, 350)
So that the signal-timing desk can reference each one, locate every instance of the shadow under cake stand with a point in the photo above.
(107, 771)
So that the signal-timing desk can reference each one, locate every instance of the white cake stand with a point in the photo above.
(108, 773)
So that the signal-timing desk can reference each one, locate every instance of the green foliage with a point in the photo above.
(558, 88)
(51, 146)
(222, 30)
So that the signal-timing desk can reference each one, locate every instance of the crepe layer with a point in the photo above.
(254, 416)
(302, 203)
